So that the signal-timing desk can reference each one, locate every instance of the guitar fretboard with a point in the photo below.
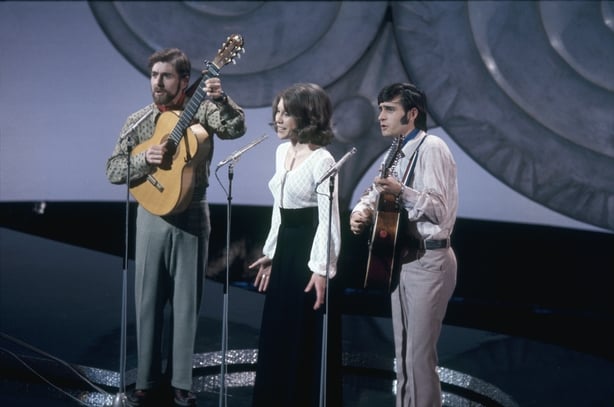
(192, 107)
(392, 158)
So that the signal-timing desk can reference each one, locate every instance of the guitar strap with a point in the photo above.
(409, 172)
(407, 227)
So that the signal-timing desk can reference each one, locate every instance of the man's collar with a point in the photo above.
(410, 136)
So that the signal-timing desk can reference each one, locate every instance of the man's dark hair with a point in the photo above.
(411, 97)
(174, 56)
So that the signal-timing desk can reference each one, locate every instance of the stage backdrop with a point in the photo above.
(69, 77)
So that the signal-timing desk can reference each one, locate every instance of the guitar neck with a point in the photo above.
(233, 44)
(392, 157)
(185, 119)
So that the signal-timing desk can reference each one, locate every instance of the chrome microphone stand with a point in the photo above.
(223, 393)
(230, 160)
(324, 357)
(120, 397)
(330, 174)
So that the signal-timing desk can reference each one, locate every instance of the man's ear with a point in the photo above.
(186, 82)
(413, 114)
(409, 116)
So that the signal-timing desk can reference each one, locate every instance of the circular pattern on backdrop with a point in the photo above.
(285, 42)
(524, 88)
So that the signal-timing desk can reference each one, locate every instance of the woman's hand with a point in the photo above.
(264, 270)
(319, 282)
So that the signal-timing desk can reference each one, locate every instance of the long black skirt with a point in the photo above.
(290, 346)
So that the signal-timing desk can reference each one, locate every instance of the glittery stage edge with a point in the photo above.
(207, 362)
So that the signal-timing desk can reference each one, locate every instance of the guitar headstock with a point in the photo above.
(229, 51)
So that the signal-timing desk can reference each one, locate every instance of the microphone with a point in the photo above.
(135, 125)
(235, 156)
(335, 168)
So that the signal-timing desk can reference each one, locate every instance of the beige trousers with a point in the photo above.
(419, 301)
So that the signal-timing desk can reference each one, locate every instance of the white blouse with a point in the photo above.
(296, 188)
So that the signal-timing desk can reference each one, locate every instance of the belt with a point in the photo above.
(429, 244)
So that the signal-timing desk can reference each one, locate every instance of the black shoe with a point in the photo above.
(184, 398)
(137, 398)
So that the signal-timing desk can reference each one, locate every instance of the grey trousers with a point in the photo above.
(419, 302)
(170, 260)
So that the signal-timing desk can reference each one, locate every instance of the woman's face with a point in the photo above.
(284, 123)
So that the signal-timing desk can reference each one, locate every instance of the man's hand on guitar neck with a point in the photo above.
(213, 89)
(389, 185)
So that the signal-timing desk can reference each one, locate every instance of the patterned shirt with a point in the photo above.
(225, 120)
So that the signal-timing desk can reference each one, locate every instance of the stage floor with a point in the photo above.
(60, 309)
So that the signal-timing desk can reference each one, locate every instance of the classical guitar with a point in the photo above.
(382, 243)
(168, 189)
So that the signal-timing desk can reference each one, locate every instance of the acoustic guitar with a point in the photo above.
(383, 241)
(168, 189)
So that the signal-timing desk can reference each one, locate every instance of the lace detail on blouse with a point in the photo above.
(296, 188)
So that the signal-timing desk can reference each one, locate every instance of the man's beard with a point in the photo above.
(165, 98)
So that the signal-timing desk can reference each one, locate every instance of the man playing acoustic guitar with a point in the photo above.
(422, 182)
(171, 246)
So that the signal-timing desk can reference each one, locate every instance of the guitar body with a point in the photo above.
(383, 242)
(168, 189)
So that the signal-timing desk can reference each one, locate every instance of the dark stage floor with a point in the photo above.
(60, 313)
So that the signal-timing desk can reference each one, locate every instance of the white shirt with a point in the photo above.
(295, 189)
(431, 200)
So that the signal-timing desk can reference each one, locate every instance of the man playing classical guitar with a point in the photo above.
(425, 185)
(171, 250)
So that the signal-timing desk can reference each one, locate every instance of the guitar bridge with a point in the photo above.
(155, 183)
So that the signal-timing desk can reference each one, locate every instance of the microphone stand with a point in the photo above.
(120, 397)
(324, 358)
(223, 392)
(231, 160)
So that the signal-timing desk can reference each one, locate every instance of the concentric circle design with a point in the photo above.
(285, 42)
(519, 87)
(525, 88)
